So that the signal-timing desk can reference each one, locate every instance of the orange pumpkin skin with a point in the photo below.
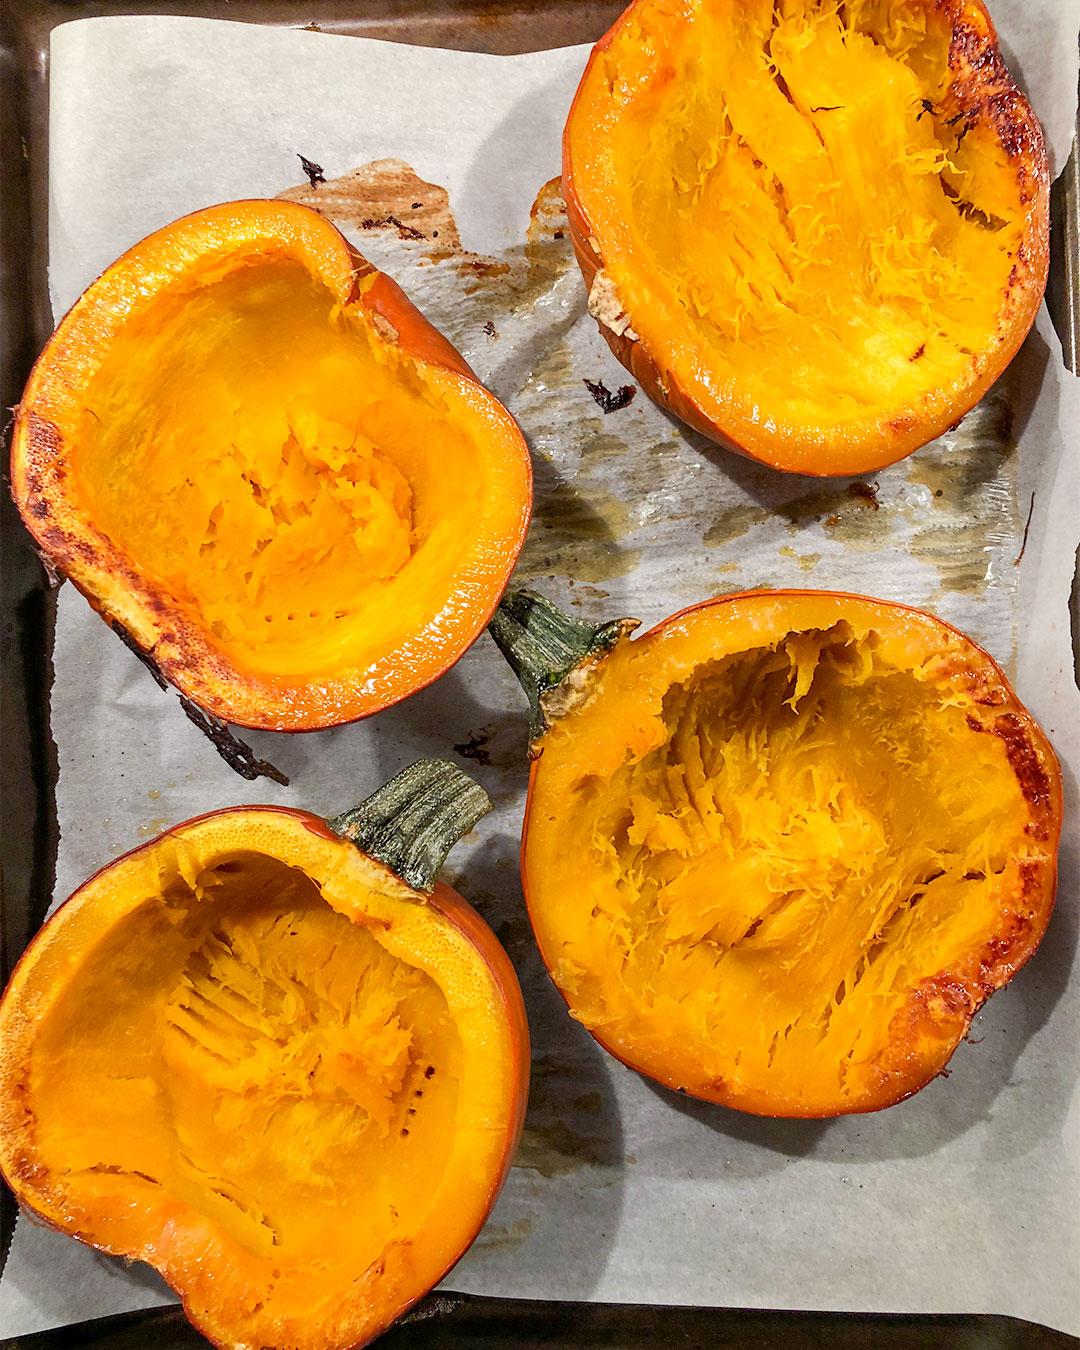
(935, 1012)
(228, 1291)
(649, 333)
(410, 574)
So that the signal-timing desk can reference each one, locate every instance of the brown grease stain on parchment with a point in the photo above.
(386, 194)
(504, 1235)
(846, 515)
(973, 479)
(968, 510)
(566, 1128)
(577, 523)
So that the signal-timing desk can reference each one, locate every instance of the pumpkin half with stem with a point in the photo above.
(815, 231)
(779, 850)
(269, 1055)
(263, 464)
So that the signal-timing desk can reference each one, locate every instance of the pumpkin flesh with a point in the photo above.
(271, 471)
(786, 847)
(824, 224)
(296, 462)
(252, 1057)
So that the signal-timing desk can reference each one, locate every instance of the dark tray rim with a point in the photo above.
(27, 754)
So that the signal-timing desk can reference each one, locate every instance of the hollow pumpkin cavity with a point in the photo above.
(268, 471)
(296, 466)
(254, 1058)
(260, 1058)
(812, 213)
(790, 854)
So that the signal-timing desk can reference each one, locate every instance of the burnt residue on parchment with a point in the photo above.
(548, 253)
(314, 171)
(475, 747)
(386, 194)
(610, 400)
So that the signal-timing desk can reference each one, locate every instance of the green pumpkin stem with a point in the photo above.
(412, 822)
(545, 647)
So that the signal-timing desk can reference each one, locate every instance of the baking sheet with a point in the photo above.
(963, 1198)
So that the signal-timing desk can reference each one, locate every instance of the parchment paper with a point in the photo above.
(964, 1198)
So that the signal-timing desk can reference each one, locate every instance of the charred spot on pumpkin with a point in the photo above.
(1013, 134)
(989, 697)
(1024, 760)
(987, 220)
(44, 438)
(969, 52)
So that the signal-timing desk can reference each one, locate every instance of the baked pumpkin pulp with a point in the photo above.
(815, 229)
(249, 449)
(779, 850)
(250, 1055)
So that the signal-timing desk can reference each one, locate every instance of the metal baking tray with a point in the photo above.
(28, 835)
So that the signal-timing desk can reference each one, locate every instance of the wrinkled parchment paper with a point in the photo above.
(964, 1198)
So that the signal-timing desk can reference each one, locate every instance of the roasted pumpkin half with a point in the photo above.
(250, 451)
(816, 230)
(252, 1055)
(779, 850)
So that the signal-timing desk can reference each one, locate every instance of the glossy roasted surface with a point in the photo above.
(786, 847)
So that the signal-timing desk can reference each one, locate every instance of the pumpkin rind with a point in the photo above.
(604, 859)
(300, 1292)
(704, 375)
(370, 639)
